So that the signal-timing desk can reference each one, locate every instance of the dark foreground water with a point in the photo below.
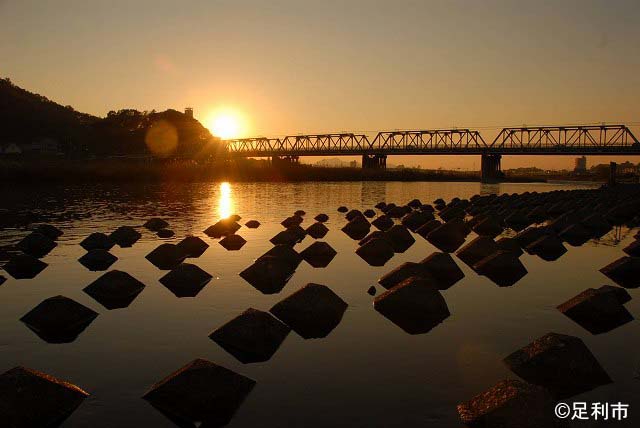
(366, 373)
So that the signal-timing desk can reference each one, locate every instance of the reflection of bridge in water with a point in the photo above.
(543, 140)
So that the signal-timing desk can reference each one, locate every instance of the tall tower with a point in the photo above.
(188, 111)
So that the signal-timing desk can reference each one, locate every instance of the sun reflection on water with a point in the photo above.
(225, 203)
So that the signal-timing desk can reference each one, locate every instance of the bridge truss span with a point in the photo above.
(429, 141)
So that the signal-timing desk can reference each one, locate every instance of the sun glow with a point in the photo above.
(225, 201)
(225, 124)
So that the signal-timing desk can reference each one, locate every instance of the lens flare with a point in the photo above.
(162, 139)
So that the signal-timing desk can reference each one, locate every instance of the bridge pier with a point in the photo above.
(374, 161)
(284, 160)
(491, 171)
(613, 169)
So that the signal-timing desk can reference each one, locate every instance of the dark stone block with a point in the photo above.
(620, 294)
(510, 245)
(313, 311)
(357, 228)
(253, 336)
(597, 225)
(155, 224)
(376, 252)
(343, 209)
(319, 254)
(322, 218)
(2, 279)
(23, 266)
(97, 241)
(376, 234)
(286, 237)
(353, 214)
(186, 280)
(414, 305)
(286, 254)
(200, 394)
(294, 220)
(49, 231)
(403, 272)
(575, 235)
(125, 236)
(529, 235)
(300, 213)
(369, 213)
(298, 231)
(317, 230)
(489, 227)
(426, 228)
(476, 250)
(371, 291)
(252, 224)
(59, 319)
(560, 363)
(398, 212)
(415, 219)
(548, 248)
(33, 399)
(383, 223)
(380, 205)
(269, 274)
(223, 227)
(165, 233)
(596, 310)
(232, 242)
(166, 256)
(97, 260)
(192, 246)
(115, 289)
(235, 217)
(633, 249)
(502, 267)
(400, 238)
(415, 203)
(442, 268)
(448, 237)
(625, 272)
(36, 244)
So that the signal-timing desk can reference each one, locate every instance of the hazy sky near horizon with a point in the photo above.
(294, 66)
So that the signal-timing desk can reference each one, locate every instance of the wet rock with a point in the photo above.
(476, 250)
(400, 238)
(322, 218)
(429, 226)
(232, 242)
(252, 224)
(59, 319)
(155, 224)
(403, 272)
(115, 289)
(489, 227)
(511, 245)
(166, 256)
(529, 235)
(369, 213)
(125, 236)
(371, 291)
(442, 268)
(357, 228)
(165, 233)
(36, 244)
(200, 394)
(575, 235)
(502, 267)
(548, 248)
(49, 231)
(319, 254)
(448, 237)
(621, 295)
(625, 272)
(269, 274)
(186, 280)
(97, 260)
(253, 336)
(376, 252)
(353, 214)
(383, 223)
(596, 310)
(286, 254)
(33, 399)
(415, 219)
(313, 311)
(343, 209)
(286, 237)
(376, 234)
(223, 227)
(97, 241)
(298, 231)
(23, 266)
(414, 305)
(560, 363)
(317, 230)
(294, 220)
(511, 404)
(192, 246)
(633, 249)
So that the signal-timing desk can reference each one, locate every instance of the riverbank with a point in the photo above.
(112, 170)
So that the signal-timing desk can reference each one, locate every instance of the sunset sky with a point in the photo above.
(296, 66)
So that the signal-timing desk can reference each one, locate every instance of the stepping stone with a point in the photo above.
(97, 241)
(369, 213)
(59, 319)
(97, 260)
(125, 236)
(529, 236)
(353, 214)
(448, 237)
(376, 252)
(560, 363)
(415, 203)
(155, 224)
(414, 305)
(166, 256)
(294, 220)
(388, 207)
(426, 228)
(398, 212)
(518, 221)
(371, 291)
(383, 223)
(313, 311)
(49, 231)
(427, 208)
(511, 245)
(286, 237)
(299, 213)
(36, 244)
(232, 242)
(442, 268)
(298, 231)
(269, 274)
(343, 209)
(252, 337)
(34, 399)
(633, 249)
(415, 219)
(476, 250)
(400, 238)
(625, 272)
(223, 227)
(403, 272)
(115, 289)
(489, 227)
(376, 234)
(502, 267)
(597, 310)
(511, 403)
(186, 280)
(192, 246)
(548, 248)
(319, 254)
(380, 205)
(322, 218)
(575, 235)
(23, 266)
(200, 394)
(165, 233)
(357, 228)
(317, 230)
(252, 224)
(285, 253)
(620, 294)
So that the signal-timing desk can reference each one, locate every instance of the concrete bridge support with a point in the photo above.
(284, 160)
(613, 170)
(374, 161)
(491, 169)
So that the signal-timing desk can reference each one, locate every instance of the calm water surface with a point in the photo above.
(366, 373)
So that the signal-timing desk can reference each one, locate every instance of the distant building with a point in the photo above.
(353, 164)
(188, 112)
(580, 165)
(627, 168)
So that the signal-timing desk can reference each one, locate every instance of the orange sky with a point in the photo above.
(353, 65)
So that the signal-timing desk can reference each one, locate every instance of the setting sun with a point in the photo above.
(225, 125)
